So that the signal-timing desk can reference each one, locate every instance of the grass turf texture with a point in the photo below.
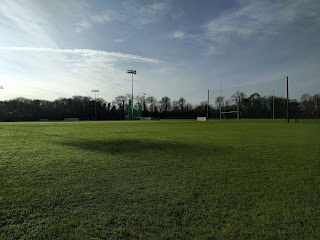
(159, 180)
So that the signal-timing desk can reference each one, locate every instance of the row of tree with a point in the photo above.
(86, 108)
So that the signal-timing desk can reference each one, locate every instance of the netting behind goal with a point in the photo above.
(265, 100)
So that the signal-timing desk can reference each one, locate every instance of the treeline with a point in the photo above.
(253, 106)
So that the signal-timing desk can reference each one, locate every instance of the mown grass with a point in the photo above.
(160, 180)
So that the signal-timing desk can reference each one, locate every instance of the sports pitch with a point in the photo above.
(160, 180)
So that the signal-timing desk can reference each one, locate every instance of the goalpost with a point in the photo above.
(238, 114)
(266, 99)
(238, 107)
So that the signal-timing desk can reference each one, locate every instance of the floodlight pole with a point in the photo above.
(95, 103)
(132, 97)
(273, 104)
(288, 99)
(132, 72)
(208, 106)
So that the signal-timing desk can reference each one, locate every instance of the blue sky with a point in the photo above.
(182, 48)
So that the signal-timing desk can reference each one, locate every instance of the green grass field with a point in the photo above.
(160, 180)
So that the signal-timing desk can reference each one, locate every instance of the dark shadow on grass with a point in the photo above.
(134, 147)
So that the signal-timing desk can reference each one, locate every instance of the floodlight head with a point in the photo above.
(94, 90)
(132, 71)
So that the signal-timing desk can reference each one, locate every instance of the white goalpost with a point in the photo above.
(257, 99)
(237, 114)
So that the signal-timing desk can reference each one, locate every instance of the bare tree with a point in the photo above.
(235, 96)
(175, 105)
(182, 104)
(219, 101)
(152, 102)
(120, 101)
(308, 104)
(188, 107)
(165, 104)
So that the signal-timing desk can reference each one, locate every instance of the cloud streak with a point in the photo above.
(138, 14)
(86, 52)
(89, 18)
(65, 72)
(178, 35)
(255, 18)
(252, 20)
(25, 20)
(146, 14)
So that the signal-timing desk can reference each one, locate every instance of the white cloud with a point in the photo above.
(25, 20)
(146, 14)
(83, 26)
(251, 20)
(136, 13)
(52, 73)
(256, 18)
(86, 52)
(90, 17)
(120, 40)
(177, 34)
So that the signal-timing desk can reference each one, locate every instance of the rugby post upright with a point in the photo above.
(220, 99)
(208, 106)
(272, 104)
(238, 102)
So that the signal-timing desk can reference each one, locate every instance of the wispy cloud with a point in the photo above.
(146, 14)
(27, 19)
(65, 72)
(86, 52)
(51, 72)
(177, 35)
(180, 35)
(252, 19)
(120, 40)
(137, 14)
(258, 18)
(90, 17)
(83, 26)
